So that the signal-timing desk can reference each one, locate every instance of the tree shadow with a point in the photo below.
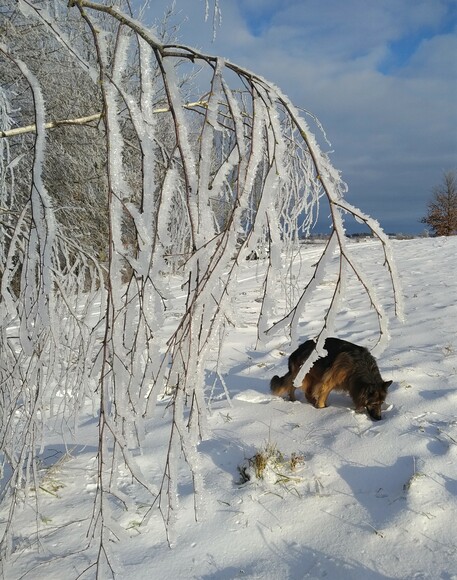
(293, 560)
(234, 384)
(51, 458)
(377, 488)
(227, 453)
(431, 395)
(450, 484)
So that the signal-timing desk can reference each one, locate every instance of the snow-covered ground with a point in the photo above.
(364, 500)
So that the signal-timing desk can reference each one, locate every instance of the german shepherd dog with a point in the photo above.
(347, 367)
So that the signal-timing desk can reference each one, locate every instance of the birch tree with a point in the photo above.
(91, 334)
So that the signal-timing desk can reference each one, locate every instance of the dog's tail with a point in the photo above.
(281, 386)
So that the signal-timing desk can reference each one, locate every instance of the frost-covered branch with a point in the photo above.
(84, 120)
(188, 203)
(46, 337)
(51, 125)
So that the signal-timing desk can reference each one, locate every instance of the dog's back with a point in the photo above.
(335, 346)
(347, 367)
(299, 356)
(361, 358)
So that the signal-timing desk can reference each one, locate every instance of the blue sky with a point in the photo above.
(381, 76)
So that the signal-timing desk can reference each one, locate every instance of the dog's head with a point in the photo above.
(375, 397)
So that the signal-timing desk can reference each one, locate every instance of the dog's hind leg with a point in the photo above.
(334, 378)
(325, 387)
(322, 391)
(310, 386)
(312, 382)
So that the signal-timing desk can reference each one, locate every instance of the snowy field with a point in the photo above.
(359, 500)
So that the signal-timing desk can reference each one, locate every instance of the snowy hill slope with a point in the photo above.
(366, 500)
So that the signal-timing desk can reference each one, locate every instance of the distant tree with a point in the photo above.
(442, 209)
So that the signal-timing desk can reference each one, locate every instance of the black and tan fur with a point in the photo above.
(347, 367)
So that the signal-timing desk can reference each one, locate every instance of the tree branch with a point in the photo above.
(84, 120)
(50, 125)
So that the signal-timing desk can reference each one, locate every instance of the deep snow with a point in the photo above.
(368, 500)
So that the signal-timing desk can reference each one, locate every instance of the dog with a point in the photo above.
(347, 367)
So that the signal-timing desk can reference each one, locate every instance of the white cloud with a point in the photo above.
(435, 58)
(392, 128)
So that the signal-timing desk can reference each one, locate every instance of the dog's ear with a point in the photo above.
(387, 384)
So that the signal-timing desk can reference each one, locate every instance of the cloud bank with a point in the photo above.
(381, 77)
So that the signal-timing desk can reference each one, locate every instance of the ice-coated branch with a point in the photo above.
(45, 363)
(249, 169)
(51, 125)
(205, 184)
(85, 120)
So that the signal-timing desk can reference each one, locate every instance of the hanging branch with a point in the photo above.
(45, 367)
(85, 120)
(193, 198)
(259, 155)
(50, 125)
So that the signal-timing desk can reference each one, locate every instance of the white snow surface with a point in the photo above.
(369, 500)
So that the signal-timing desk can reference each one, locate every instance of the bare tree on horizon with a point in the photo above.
(442, 208)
